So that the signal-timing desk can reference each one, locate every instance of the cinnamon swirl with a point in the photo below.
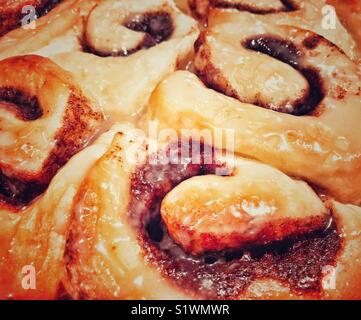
(141, 222)
(308, 15)
(45, 120)
(36, 235)
(183, 214)
(111, 65)
(308, 89)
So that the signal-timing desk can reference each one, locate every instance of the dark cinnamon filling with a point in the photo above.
(15, 192)
(157, 26)
(23, 105)
(46, 6)
(298, 262)
(287, 52)
(287, 6)
(79, 128)
(312, 41)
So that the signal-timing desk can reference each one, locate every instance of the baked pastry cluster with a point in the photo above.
(251, 189)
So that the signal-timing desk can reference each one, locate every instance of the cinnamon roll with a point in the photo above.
(111, 64)
(56, 32)
(135, 25)
(119, 215)
(45, 120)
(169, 221)
(293, 101)
(308, 15)
(12, 13)
(36, 235)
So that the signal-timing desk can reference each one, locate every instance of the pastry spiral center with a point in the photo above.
(24, 106)
(129, 26)
(227, 273)
(158, 25)
(281, 78)
(45, 120)
(287, 52)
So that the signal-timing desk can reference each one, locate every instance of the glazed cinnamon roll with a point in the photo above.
(273, 215)
(309, 15)
(168, 226)
(36, 235)
(127, 81)
(11, 12)
(56, 32)
(297, 99)
(119, 59)
(135, 25)
(45, 120)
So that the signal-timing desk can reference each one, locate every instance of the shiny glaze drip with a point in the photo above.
(298, 262)
(287, 52)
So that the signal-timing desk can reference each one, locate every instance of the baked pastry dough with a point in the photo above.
(312, 91)
(115, 215)
(308, 15)
(134, 25)
(201, 8)
(45, 120)
(122, 241)
(11, 13)
(98, 231)
(36, 235)
(349, 12)
(58, 24)
(76, 41)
